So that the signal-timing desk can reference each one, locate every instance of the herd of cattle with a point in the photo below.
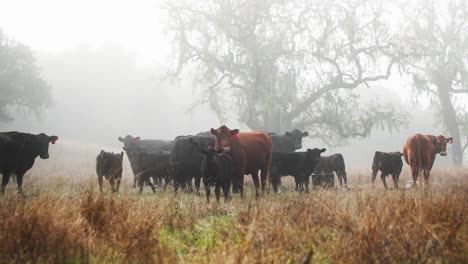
(221, 157)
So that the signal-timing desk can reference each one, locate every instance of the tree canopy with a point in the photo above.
(287, 64)
(21, 87)
(433, 50)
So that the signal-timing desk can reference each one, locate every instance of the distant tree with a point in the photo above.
(287, 64)
(21, 87)
(434, 51)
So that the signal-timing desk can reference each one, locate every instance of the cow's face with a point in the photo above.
(42, 144)
(442, 144)
(223, 137)
(314, 154)
(129, 142)
(295, 138)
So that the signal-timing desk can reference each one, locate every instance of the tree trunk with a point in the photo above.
(450, 120)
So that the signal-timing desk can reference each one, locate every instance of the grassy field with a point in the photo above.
(65, 219)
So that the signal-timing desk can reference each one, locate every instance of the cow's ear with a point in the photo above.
(213, 132)
(287, 133)
(305, 134)
(52, 139)
(121, 139)
(323, 150)
(401, 154)
(449, 140)
(102, 152)
(234, 131)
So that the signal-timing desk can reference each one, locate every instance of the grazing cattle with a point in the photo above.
(250, 151)
(109, 165)
(420, 152)
(148, 145)
(154, 165)
(323, 173)
(297, 164)
(388, 163)
(288, 142)
(186, 160)
(216, 171)
(18, 152)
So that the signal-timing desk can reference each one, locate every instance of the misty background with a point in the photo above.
(106, 62)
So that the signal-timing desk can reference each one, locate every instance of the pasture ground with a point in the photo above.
(62, 218)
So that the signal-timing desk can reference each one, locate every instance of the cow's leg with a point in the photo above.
(306, 183)
(256, 181)
(197, 184)
(141, 183)
(148, 180)
(112, 183)
(374, 175)
(5, 180)
(345, 180)
(382, 176)
(117, 184)
(217, 191)
(275, 182)
(207, 191)
(395, 180)
(19, 181)
(265, 177)
(226, 188)
(340, 178)
(296, 182)
(100, 182)
(426, 179)
(414, 174)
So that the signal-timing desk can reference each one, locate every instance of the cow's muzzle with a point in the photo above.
(443, 153)
(44, 156)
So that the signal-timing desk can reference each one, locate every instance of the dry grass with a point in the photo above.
(64, 219)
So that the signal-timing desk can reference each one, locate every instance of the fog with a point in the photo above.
(106, 85)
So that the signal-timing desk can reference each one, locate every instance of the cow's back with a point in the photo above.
(419, 151)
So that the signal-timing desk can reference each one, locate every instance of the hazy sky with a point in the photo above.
(58, 25)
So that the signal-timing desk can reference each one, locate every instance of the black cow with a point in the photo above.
(288, 142)
(186, 160)
(323, 173)
(18, 152)
(109, 165)
(134, 145)
(387, 163)
(216, 171)
(297, 164)
(148, 165)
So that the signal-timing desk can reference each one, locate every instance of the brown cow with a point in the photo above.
(250, 151)
(420, 152)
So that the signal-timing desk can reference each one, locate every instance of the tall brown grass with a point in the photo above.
(63, 219)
